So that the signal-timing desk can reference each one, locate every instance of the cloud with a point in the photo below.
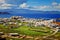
(41, 7)
(53, 7)
(9, 4)
(57, 7)
(4, 5)
(38, 8)
(2, 1)
(24, 5)
(54, 3)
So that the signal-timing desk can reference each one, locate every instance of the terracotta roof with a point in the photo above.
(57, 23)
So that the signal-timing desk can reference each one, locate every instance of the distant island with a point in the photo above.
(4, 13)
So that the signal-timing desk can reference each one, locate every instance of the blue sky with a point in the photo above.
(41, 2)
(41, 5)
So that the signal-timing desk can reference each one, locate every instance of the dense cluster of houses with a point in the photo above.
(48, 23)
(16, 21)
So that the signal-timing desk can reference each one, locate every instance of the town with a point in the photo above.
(19, 27)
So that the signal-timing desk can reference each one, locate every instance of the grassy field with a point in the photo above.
(29, 31)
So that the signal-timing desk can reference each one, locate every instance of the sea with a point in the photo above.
(31, 15)
(36, 16)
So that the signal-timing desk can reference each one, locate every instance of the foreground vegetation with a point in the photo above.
(30, 31)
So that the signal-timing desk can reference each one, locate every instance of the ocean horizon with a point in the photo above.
(31, 15)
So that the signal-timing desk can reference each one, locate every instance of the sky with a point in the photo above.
(40, 5)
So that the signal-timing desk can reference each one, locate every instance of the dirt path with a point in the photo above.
(55, 31)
